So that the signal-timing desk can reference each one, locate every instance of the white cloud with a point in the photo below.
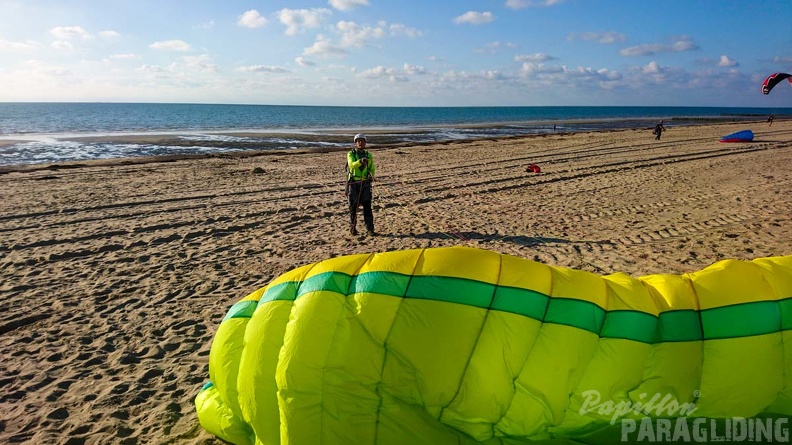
(208, 25)
(346, 5)
(726, 61)
(324, 47)
(474, 18)
(200, 63)
(494, 47)
(468, 78)
(580, 77)
(520, 4)
(198, 68)
(251, 19)
(398, 29)
(262, 69)
(70, 32)
(27, 46)
(124, 56)
(652, 68)
(151, 69)
(36, 68)
(378, 71)
(668, 76)
(62, 45)
(109, 34)
(681, 44)
(392, 74)
(302, 61)
(297, 20)
(779, 59)
(605, 37)
(601, 75)
(354, 35)
(171, 45)
(684, 45)
(413, 69)
(494, 75)
(536, 57)
(539, 68)
(643, 50)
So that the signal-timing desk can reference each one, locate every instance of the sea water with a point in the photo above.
(46, 132)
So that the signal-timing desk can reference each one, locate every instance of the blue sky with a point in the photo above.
(397, 53)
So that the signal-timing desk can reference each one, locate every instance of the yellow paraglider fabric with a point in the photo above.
(459, 345)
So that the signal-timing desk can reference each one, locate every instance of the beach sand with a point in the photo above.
(116, 274)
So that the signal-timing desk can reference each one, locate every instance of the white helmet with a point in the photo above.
(360, 136)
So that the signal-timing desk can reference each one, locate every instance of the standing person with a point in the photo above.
(361, 169)
(770, 120)
(658, 130)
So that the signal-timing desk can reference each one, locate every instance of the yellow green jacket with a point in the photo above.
(358, 172)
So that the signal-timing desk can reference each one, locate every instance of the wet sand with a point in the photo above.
(117, 273)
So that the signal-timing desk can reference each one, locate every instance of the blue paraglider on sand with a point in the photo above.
(740, 136)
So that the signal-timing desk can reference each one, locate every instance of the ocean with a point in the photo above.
(34, 133)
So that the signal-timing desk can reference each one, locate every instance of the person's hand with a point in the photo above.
(364, 161)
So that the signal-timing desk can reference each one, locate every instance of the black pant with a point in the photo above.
(359, 193)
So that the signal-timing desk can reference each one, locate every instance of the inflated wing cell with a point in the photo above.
(464, 346)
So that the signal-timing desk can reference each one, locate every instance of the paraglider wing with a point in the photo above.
(773, 80)
(740, 136)
(467, 346)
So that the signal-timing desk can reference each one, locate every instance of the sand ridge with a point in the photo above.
(117, 274)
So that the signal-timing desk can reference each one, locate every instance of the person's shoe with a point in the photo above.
(372, 233)
(353, 231)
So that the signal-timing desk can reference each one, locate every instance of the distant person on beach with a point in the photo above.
(658, 130)
(770, 120)
(360, 165)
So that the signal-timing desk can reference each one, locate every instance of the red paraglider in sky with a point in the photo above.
(773, 79)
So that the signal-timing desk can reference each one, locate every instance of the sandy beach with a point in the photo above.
(116, 274)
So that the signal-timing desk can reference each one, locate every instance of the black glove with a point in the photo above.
(364, 161)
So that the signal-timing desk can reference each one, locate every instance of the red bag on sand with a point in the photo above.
(534, 168)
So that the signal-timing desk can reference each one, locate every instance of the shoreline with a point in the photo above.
(322, 140)
(318, 131)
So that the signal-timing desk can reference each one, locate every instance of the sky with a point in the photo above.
(397, 52)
